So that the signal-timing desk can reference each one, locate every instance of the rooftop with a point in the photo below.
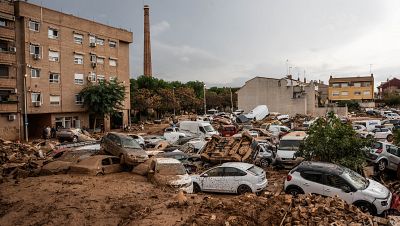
(352, 79)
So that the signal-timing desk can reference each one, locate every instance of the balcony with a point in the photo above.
(8, 83)
(9, 107)
(7, 33)
(7, 58)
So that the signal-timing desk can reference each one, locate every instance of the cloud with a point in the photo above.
(159, 28)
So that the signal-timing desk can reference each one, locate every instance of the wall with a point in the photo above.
(9, 130)
(322, 111)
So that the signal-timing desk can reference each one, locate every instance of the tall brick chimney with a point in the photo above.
(147, 46)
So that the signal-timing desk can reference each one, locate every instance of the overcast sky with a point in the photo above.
(227, 42)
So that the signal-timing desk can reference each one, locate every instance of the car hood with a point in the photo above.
(133, 151)
(376, 190)
(180, 179)
(285, 154)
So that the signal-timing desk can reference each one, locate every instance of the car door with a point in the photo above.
(232, 179)
(211, 179)
(105, 165)
(335, 185)
(312, 183)
(393, 157)
(115, 165)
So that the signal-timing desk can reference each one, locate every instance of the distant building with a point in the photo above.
(285, 95)
(351, 88)
(389, 87)
(60, 54)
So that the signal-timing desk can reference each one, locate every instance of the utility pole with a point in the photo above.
(231, 100)
(25, 109)
(205, 105)
(173, 95)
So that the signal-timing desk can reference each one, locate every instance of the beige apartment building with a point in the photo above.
(57, 55)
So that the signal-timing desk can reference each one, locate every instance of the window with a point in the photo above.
(34, 26)
(54, 56)
(3, 22)
(357, 93)
(216, 172)
(4, 71)
(312, 176)
(100, 78)
(34, 49)
(92, 58)
(36, 98)
(367, 93)
(78, 99)
(336, 181)
(78, 79)
(100, 41)
(78, 39)
(3, 46)
(233, 172)
(53, 33)
(54, 78)
(367, 84)
(336, 85)
(112, 44)
(92, 39)
(344, 85)
(78, 59)
(113, 62)
(35, 72)
(54, 100)
(345, 93)
(115, 160)
(100, 60)
(105, 162)
(357, 84)
(336, 93)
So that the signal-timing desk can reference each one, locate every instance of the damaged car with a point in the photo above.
(97, 165)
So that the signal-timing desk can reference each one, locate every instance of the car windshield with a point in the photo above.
(358, 181)
(171, 169)
(289, 145)
(256, 170)
(129, 142)
(209, 128)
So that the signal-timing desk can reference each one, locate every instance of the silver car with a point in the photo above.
(385, 156)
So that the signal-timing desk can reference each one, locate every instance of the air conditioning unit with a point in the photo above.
(92, 44)
(14, 91)
(94, 64)
(12, 117)
(36, 56)
(37, 104)
(12, 49)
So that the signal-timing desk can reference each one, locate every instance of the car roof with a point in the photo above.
(296, 135)
(239, 165)
(93, 159)
(321, 167)
(167, 161)
(172, 153)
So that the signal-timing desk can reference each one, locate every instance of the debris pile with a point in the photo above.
(280, 210)
(221, 149)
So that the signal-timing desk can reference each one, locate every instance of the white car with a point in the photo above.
(391, 116)
(359, 128)
(278, 130)
(231, 177)
(379, 133)
(170, 172)
(138, 139)
(331, 180)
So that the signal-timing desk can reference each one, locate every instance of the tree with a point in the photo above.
(392, 100)
(103, 99)
(329, 140)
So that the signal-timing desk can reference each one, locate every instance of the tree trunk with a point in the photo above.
(94, 123)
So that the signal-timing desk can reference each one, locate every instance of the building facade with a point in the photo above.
(286, 95)
(391, 86)
(57, 56)
(351, 88)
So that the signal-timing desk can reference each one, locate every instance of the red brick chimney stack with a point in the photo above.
(147, 46)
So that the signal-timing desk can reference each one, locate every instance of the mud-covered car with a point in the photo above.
(191, 163)
(124, 147)
(73, 134)
(171, 173)
(97, 165)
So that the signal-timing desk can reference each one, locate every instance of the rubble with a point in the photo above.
(280, 210)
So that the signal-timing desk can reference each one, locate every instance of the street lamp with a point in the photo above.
(173, 96)
(25, 110)
(205, 105)
(230, 89)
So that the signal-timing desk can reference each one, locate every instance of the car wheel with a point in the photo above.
(242, 189)
(389, 138)
(294, 191)
(100, 174)
(264, 163)
(196, 188)
(382, 165)
(142, 146)
(366, 207)
(75, 139)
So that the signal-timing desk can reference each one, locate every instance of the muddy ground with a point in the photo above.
(115, 199)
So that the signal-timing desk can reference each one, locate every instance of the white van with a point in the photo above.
(199, 128)
(369, 124)
(258, 113)
(288, 146)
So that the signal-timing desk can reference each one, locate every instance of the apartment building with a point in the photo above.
(57, 56)
(391, 86)
(351, 88)
(9, 112)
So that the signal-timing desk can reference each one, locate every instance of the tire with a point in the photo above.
(243, 189)
(294, 191)
(264, 163)
(196, 188)
(75, 139)
(100, 174)
(142, 146)
(366, 207)
(382, 164)
(389, 138)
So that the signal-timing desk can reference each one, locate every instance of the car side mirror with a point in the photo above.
(204, 175)
(346, 189)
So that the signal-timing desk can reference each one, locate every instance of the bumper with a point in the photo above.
(288, 163)
(134, 161)
(372, 158)
(260, 186)
(381, 208)
(188, 190)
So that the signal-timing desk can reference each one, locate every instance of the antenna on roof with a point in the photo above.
(287, 67)
(370, 68)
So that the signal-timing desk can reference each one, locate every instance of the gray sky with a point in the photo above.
(226, 42)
